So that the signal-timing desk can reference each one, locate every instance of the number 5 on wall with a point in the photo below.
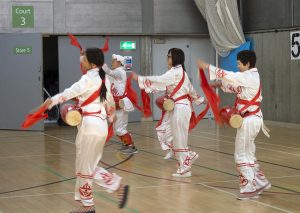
(295, 45)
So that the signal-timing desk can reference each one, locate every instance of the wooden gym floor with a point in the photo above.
(37, 172)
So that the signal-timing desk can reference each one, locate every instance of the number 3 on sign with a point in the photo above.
(23, 20)
(295, 45)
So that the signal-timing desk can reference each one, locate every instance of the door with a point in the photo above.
(20, 78)
(160, 52)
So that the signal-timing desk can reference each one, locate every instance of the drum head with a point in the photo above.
(236, 121)
(169, 104)
(73, 118)
(121, 103)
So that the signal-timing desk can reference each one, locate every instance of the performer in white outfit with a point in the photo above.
(246, 84)
(118, 79)
(173, 129)
(92, 131)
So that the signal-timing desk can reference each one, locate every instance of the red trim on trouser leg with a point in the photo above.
(126, 139)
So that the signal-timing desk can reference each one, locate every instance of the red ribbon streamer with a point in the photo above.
(212, 98)
(106, 46)
(132, 95)
(74, 42)
(34, 117)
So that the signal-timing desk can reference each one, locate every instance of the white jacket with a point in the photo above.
(244, 84)
(118, 80)
(83, 89)
(168, 82)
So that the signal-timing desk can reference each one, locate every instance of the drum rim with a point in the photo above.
(169, 100)
(233, 121)
(121, 103)
(77, 115)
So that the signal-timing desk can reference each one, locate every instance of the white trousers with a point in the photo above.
(90, 142)
(120, 125)
(173, 134)
(164, 133)
(250, 175)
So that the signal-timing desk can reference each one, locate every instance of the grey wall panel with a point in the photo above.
(177, 16)
(43, 16)
(59, 16)
(276, 78)
(148, 16)
(103, 17)
(69, 70)
(109, 17)
(296, 11)
(266, 14)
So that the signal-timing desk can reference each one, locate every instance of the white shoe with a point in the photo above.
(169, 154)
(266, 187)
(184, 175)
(194, 157)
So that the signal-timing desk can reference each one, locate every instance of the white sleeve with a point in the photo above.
(234, 78)
(116, 74)
(109, 96)
(230, 88)
(195, 97)
(75, 90)
(110, 103)
(156, 83)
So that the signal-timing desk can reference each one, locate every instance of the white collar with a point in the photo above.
(254, 69)
(178, 66)
(94, 70)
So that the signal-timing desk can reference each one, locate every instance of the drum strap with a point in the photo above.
(179, 85)
(92, 97)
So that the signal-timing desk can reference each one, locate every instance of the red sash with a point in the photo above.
(247, 104)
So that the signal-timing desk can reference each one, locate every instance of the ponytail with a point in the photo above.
(183, 67)
(96, 56)
(103, 86)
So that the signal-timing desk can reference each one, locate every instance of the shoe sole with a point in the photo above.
(181, 176)
(130, 153)
(246, 196)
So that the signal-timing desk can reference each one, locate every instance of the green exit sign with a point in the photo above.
(22, 16)
(127, 45)
(22, 50)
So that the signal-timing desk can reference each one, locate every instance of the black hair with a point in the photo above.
(177, 57)
(96, 56)
(247, 56)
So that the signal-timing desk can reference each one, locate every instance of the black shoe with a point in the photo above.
(130, 150)
(123, 196)
(84, 209)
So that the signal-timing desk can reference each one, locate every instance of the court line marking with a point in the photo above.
(255, 201)
(133, 133)
(256, 141)
(226, 141)
(200, 183)
(232, 143)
